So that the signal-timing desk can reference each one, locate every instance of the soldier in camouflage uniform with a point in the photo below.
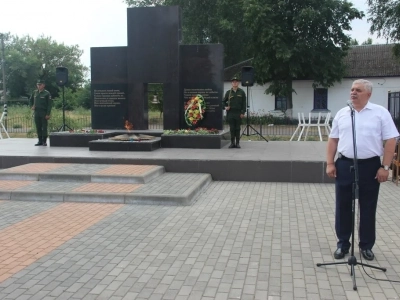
(235, 106)
(41, 104)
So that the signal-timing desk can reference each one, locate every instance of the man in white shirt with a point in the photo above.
(374, 127)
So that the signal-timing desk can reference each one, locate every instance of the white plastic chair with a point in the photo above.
(326, 123)
(300, 126)
(318, 125)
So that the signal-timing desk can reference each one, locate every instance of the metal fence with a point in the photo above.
(26, 124)
(283, 129)
(394, 107)
(18, 124)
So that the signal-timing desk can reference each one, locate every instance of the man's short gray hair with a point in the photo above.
(367, 84)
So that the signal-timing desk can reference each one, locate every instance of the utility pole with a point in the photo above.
(3, 67)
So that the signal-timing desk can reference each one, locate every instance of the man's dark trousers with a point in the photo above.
(234, 122)
(368, 200)
(41, 125)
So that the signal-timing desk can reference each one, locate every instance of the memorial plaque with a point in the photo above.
(109, 106)
(202, 73)
(109, 87)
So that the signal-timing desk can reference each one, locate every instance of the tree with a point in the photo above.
(28, 59)
(384, 15)
(83, 96)
(367, 42)
(211, 21)
(353, 42)
(296, 39)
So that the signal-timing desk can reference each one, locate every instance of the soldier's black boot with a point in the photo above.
(232, 145)
(237, 144)
(44, 142)
(40, 142)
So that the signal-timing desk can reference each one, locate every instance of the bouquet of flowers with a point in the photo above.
(197, 131)
(194, 110)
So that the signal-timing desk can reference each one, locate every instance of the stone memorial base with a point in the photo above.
(148, 141)
(75, 139)
(68, 139)
(212, 141)
(117, 145)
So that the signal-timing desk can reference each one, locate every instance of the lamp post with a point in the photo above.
(3, 67)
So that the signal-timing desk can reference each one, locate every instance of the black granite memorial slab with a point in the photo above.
(154, 133)
(67, 139)
(212, 141)
(109, 87)
(153, 57)
(114, 145)
(201, 69)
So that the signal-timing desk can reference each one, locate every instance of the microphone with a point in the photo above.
(350, 104)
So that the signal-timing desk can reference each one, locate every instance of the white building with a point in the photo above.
(372, 62)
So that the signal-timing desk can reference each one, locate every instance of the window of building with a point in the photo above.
(321, 99)
(281, 103)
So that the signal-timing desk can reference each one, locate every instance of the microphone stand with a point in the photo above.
(352, 261)
(247, 121)
(63, 126)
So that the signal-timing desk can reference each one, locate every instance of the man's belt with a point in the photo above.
(341, 156)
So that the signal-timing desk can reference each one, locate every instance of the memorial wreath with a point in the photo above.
(194, 110)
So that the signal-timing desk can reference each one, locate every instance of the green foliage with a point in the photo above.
(19, 111)
(299, 40)
(28, 59)
(81, 112)
(84, 96)
(353, 42)
(69, 98)
(384, 15)
(74, 99)
(367, 42)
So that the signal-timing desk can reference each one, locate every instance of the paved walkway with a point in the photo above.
(239, 240)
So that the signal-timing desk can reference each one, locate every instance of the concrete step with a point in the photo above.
(98, 183)
(83, 173)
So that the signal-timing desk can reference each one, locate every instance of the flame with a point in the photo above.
(128, 125)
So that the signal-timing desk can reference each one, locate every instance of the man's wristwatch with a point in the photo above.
(386, 168)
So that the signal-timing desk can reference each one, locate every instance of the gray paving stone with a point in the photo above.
(14, 212)
(238, 240)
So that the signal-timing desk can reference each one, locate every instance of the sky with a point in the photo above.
(96, 23)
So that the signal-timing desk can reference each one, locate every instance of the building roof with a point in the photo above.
(372, 61)
(362, 62)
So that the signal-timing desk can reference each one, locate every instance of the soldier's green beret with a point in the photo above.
(235, 78)
(40, 81)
